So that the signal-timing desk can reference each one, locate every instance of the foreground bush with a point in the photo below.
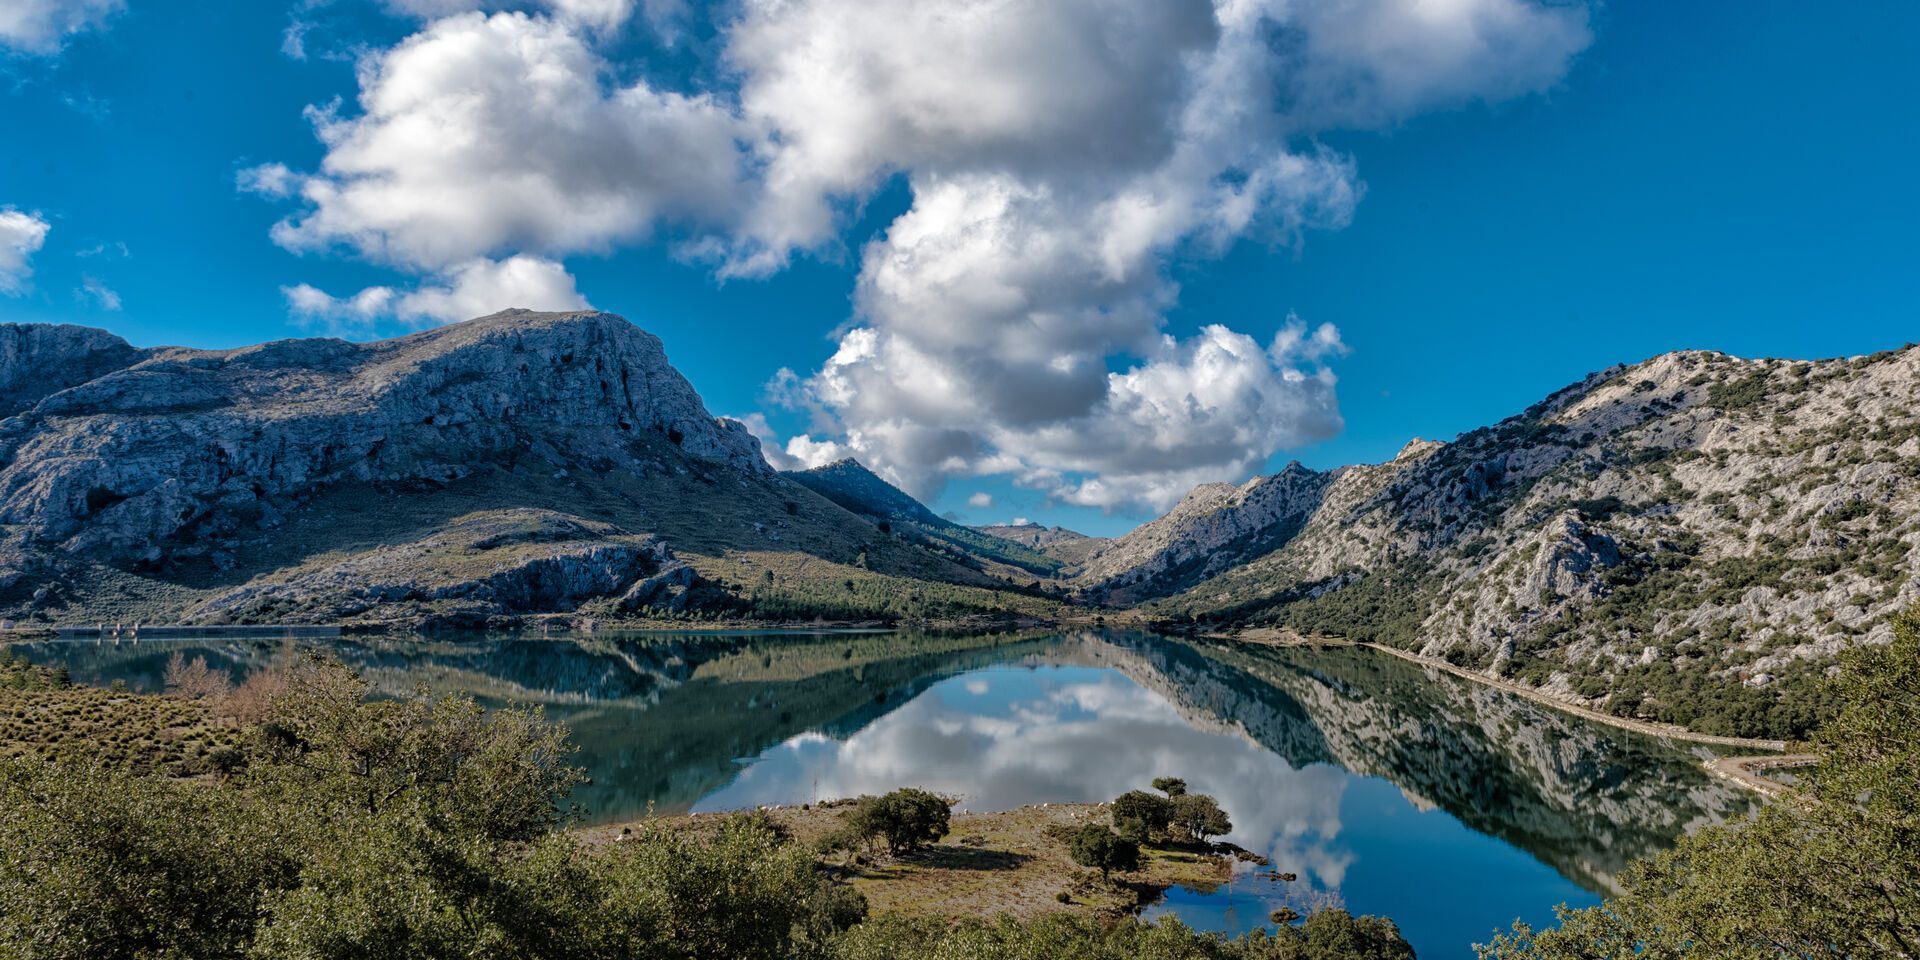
(424, 827)
(1831, 872)
(1329, 935)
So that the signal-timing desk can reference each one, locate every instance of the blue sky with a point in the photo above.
(1483, 216)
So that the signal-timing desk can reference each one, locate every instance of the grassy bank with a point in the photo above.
(1007, 862)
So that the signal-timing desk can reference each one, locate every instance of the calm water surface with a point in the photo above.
(1388, 789)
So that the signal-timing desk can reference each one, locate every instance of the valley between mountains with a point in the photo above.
(1691, 539)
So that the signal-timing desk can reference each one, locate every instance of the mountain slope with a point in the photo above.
(272, 483)
(1691, 538)
(851, 485)
(1069, 547)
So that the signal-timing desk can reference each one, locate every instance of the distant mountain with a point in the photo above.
(1066, 546)
(1683, 538)
(851, 485)
(519, 464)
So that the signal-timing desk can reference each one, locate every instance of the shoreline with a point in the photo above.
(1739, 770)
(1663, 730)
(1008, 861)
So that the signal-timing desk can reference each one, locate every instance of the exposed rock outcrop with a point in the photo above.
(1698, 511)
(1215, 527)
(471, 572)
(38, 360)
(165, 455)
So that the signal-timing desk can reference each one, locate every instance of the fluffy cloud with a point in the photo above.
(42, 26)
(481, 136)
(598, 14)
(980, 499)
(472, 289)
(1062, 155)
(21, 235)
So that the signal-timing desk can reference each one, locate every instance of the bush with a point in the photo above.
(1093, 845)
(1828, 873)
(905, 819)
(1200, 816)
(1140, 816)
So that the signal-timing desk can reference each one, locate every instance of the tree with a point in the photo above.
(1339, 935)
(1140, 815)
(1200, 816)
(1171, 786)
(905, 819)
(1100, 848)
(1828, 872)
(195, 680)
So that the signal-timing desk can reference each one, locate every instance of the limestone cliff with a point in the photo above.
(1708, 515)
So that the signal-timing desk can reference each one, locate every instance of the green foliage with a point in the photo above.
(1171, 786)
(1094, 845)
(1830, 872)
(416, 826)
(1140, 816)
(1200, 816)
(1789, 709)
(904, 819)
(1738, 394)
(1328, 935)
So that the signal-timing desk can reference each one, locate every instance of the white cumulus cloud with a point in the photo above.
(41, 26)
(476, 288)
(1063, 156)
(488, 135)
(981, 499)
(21, 235)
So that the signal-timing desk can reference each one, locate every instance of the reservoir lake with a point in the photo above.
(1390, 789)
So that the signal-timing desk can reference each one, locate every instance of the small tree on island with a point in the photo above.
(1100, 848)
(905, 819)
(1200, 816)
(1139, 815)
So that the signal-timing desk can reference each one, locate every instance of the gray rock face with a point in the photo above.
(1742, 516)
(37, 360)
(1215, 527)
(134, 460)
(507, 563)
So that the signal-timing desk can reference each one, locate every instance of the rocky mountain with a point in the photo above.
(1069, 547)
(518, 463)
(1692, 538)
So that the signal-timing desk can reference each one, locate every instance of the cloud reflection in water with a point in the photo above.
(1007, 736)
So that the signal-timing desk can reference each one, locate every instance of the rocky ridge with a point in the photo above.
(322, 480)
(1693, 514)
(158, 458)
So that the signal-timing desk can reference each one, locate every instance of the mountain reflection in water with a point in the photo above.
(1376, 780)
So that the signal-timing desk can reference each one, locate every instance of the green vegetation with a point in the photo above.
(1096, 845)
(1327, 935)
(1830, 872)
(1738, 394)
(1384, 606)
(424, 826)
(44, 716)
(904, 819)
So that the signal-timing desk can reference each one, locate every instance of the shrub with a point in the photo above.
(1140, 815)
(905, 819)
(1200, 816)
(1828, 873)
(1093, 845)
